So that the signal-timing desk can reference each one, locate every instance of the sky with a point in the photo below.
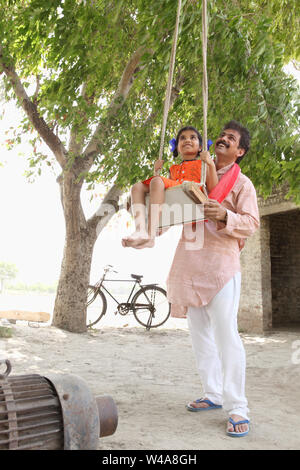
(32, 225)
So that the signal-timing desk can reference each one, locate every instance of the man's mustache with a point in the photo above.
(221, 141)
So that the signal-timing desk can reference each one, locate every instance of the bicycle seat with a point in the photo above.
(136, 276)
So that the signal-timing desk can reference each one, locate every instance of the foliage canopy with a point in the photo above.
(76, 53)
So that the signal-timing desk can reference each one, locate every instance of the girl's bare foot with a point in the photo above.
(135, 239)
(148, 244)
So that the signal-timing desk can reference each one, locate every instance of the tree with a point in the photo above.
(91, 77)
(7, 271)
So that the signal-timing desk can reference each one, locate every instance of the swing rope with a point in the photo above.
(170, 81)
(204, 85)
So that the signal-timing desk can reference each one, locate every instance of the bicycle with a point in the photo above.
(149, 304)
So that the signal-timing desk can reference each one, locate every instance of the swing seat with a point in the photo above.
(183, 204)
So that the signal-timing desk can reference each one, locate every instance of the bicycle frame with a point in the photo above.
(139, 301)
(136, 282)
(101, 286)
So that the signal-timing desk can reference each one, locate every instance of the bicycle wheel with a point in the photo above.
(151, 307)
(95, 307)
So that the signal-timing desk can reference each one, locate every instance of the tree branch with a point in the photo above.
(118, 100)
(76, 145)
(37, 89)
(107, 209)
(30, 108)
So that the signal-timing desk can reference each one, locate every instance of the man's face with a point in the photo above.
(227, 145)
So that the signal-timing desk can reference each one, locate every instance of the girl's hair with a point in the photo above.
(187, 128)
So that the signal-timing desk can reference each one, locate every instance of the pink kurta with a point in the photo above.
(196, 276)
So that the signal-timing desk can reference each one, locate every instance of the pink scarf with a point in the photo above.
(225, 184)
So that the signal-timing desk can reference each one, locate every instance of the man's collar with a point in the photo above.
(224, 170)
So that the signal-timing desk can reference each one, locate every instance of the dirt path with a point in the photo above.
(152, 375)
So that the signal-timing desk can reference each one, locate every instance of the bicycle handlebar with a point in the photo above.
(108, 268)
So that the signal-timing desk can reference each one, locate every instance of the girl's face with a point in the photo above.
(188, 144)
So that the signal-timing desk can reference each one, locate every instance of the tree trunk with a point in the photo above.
(81, 234)
(70, 303)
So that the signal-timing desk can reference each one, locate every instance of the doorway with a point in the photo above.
(285, 268)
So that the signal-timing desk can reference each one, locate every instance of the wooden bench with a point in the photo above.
(25, 315)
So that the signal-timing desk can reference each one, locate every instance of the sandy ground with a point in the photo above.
(151, 375)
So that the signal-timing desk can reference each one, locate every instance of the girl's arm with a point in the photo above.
(211, 173)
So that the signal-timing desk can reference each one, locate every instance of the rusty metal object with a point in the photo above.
(108, 414)
(52, 413)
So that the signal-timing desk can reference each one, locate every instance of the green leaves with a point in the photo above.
(7, 270)
(70, 43)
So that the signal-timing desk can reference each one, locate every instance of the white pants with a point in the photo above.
(219, 351)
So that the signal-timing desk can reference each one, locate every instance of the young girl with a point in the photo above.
(188, 145)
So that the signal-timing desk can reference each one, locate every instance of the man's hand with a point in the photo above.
(214, 211)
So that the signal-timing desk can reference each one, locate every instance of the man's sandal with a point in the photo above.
(234, 424)
(211, 406)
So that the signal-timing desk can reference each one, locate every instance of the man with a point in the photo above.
(204, 285)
